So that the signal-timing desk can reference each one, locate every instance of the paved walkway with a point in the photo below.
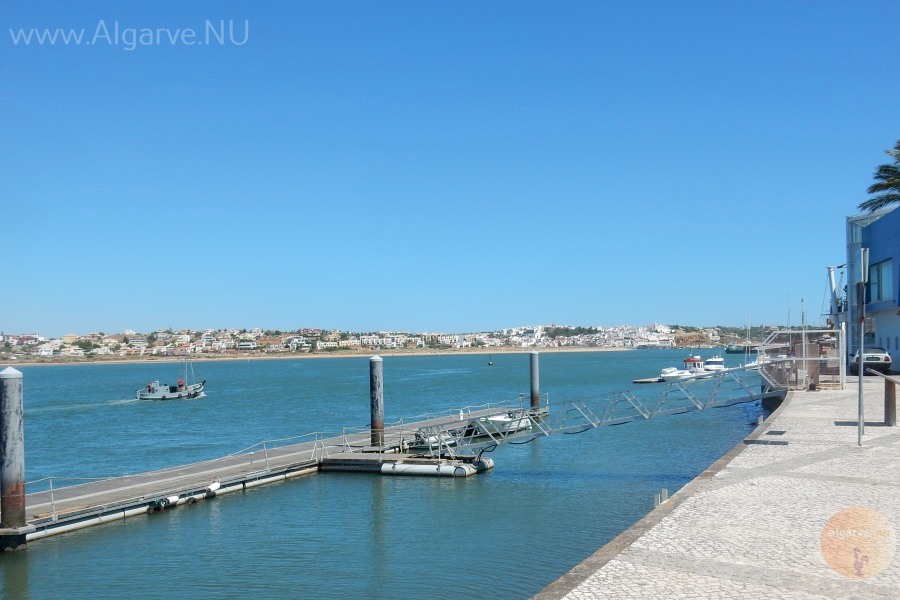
(798, 510)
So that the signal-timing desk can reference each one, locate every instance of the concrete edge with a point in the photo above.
(575, 577)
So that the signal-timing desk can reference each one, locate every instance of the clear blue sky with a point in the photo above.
(436, 166)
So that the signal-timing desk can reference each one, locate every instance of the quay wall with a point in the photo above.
(577, 575)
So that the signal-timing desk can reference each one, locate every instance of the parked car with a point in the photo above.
(873, 358)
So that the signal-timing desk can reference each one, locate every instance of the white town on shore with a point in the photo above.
(224, 342)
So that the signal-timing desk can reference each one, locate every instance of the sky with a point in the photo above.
(434, 166)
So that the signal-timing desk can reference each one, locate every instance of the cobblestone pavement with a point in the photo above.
(798, 510)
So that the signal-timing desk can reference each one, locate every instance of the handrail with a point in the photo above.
(882, 375)
(890, 397)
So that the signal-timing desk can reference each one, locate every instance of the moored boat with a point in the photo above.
(500, 424)
(673, 374)
(714, 363)
(430, 440)
(693, 369)
(693, 364)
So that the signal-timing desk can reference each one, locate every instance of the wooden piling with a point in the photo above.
(12, 461)
(376, 393)
(535, 381)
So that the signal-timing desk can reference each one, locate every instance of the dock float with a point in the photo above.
(69, 508)
(406, 464)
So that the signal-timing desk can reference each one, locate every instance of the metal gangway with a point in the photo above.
(456, 438)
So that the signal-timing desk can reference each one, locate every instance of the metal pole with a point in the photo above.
(842, 351)
(53, 516)
(376, 393)
(860, 369)
(12, 450)
(803, 356)
(535, 381)
(860, 363)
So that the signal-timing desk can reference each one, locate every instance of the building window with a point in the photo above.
(881, 281)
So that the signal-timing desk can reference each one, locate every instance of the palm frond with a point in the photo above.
(887, 179)
(879, 202)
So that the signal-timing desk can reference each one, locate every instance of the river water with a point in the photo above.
(506, 533)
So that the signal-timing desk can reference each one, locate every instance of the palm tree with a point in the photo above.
(888, 186)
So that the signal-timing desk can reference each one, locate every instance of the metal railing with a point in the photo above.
(725, 388)
(804, 359)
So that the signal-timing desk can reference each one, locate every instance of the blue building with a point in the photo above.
(880, 233)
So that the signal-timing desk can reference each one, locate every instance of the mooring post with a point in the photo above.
(376, 392)
(535, 381)
(890, 403)
(12, 461)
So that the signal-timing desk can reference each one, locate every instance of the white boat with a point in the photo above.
(154, 390)
(693, 369)
(693, 364)
(432, 441)
(714, 364)
(500, 424)
(673, 374)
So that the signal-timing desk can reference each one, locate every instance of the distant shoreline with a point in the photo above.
(286, 356)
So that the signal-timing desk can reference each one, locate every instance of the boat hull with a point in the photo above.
(155, 391)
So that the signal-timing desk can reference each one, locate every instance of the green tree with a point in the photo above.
(888, 183)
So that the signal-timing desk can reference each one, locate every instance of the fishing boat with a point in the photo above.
(154, 390)
(694, 365)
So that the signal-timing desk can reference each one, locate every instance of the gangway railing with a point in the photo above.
(721, 389)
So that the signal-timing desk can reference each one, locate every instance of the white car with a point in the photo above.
(874, 357)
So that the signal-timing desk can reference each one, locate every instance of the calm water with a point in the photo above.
(508, 533)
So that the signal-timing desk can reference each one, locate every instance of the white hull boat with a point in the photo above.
(503, 424)
(157, 391)
(714, 364)
(693, 369)
(673, 374)
(154, 390)
(432, 441)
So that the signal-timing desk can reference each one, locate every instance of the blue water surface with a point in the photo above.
(507, 533)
